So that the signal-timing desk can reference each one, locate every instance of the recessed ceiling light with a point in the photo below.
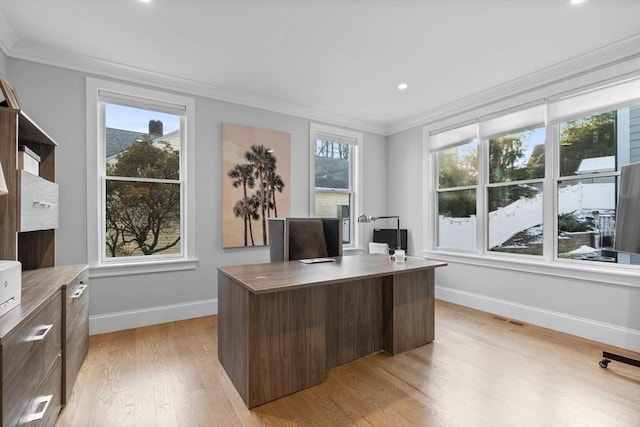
(577, 1)
(145, 1)
(403, 86)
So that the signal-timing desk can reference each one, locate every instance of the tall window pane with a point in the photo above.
(588, 144)
(333, 182)
(586, 219)
(458, 166)
(592, 149)
(457, 171)
(142, 182)
(515, 219)
(516, 157)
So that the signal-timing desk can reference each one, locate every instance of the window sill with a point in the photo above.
(352, 250)
(623, 276)
(129, 268)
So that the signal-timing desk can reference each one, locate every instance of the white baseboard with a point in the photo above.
(585, 328)
(122, 320)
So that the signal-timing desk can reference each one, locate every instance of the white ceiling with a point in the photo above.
(336, 59)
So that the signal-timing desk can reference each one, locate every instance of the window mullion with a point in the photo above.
(482, 225)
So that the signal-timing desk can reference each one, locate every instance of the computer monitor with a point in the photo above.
(390, 236)
(300, 238)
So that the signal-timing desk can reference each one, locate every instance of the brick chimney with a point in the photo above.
(155, 128)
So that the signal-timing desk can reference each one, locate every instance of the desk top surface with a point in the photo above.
(281, 276)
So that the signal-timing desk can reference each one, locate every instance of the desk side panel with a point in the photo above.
(233, 315)
(409, 320)
(287, 343)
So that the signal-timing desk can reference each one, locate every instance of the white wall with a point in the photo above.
(404, 153)
(3, 63)
(590, 305)
(55, 99)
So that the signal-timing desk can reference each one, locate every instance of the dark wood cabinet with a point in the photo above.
(31, 341)
(29, 212)
(44, 341)
(75, 330)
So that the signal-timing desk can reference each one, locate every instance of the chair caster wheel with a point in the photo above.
(604, 363)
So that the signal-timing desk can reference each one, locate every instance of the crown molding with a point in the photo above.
(620, 58)
(7, 36)
(99, 67)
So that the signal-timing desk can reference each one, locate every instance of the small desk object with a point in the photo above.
(282, 326)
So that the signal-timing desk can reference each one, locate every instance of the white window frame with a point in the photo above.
(99, 92)
(437, 190)
(599, 97)
(355, 139)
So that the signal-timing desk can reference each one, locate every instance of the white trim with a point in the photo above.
(153, 266)
(357, 140)
(513, 122)
(141, 76)
(95, 164)
(574, 325)
(620, 275)
(591, 101)
(623, 54)
(618, 91)
(104, 323)
(618, 58)
(463, 134)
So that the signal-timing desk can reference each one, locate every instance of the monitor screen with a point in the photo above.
(390, 236)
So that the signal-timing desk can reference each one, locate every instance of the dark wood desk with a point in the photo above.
(282, 326)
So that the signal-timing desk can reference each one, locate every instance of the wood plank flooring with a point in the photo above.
(482, 370)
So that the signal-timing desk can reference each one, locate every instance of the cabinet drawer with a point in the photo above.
(38, 203)
(27, 357)
(77, 331)
(44, 405)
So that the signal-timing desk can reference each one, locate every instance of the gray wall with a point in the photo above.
(404, 152)
(55, 99)
(3, 63)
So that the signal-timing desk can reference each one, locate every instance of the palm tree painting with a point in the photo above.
(256, 165)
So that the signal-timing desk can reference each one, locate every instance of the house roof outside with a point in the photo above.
(597, 164)
(119, 140)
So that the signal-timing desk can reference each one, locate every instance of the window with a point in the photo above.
(591, 150)
(138, 143)
(515, 192)
(335, 157)
(549, 174)
(457, 196)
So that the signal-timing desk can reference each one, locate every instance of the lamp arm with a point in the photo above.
(368, 218)
(398, 242)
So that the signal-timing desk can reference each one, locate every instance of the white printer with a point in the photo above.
(10, 285)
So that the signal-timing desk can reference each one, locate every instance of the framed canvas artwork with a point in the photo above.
(256, 169)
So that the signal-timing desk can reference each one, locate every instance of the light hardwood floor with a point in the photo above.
(482, 370)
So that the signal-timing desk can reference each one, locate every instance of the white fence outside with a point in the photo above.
(523, 214)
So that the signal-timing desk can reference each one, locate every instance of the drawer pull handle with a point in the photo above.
(7, 302)
(43, 204)
(41, 404)
(39, 336)
(81, 289)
